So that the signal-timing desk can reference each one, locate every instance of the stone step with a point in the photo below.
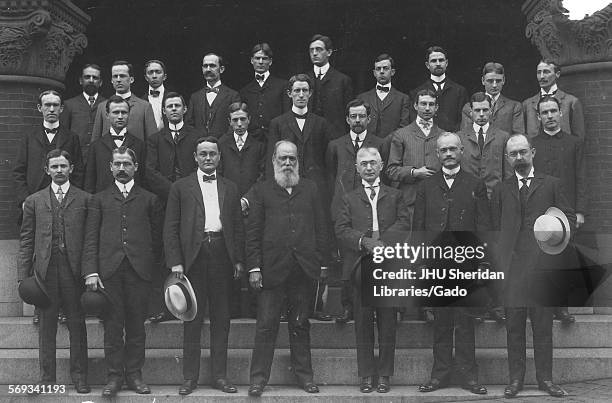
(588, 331)
(277, 394)
(331, 366)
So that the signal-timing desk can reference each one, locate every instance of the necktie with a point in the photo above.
(259, 77)
(125, 192)
(50, 131)
(450, 176)
(480, 139)
(426, 124)
(60, 195)
(215, 90)
(372, 192)
(154, 93)
(175, 135)
(117, 138)
(523, 191)
(438, 85)
(239, 142)
(208, 178)
(91, 100)
(356, 144)
(320, 75)
(298, 116)
(382, 89)
(550, 94)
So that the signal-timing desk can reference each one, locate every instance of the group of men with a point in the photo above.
(268, 184)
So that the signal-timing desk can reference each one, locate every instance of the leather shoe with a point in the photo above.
(138, 386)
(345, 317)
(112, 387)
(82, 387)
(498, 316)
(383, 385)
(428, 315)
(325, 317)
(224, 386)
(310, 387)
(475, 388)
(564, 316)
(36, 319)
(513, 388)
(366, 385)
(256, 389)
(432, 385)
(551, 389)
(187, 387)
(160, 317)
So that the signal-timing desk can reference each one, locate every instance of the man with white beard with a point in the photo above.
(286, 247)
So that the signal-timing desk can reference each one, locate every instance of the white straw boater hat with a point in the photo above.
(180, 298)
(552, 231)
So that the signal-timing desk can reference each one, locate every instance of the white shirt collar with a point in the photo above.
(552, 133)
(87, 96)
(298, 110)
(367, 185)
(437, 79)
(160, 89)
(519, 177)
(177, 127)
(388, 85)
(48, 125)
(494, 98)
(362, 136)
(200, 174)
(217, 84)
(323, 69)
(65, 187)
(451, 171)
(420, 120)
(128, 185)
(123, 132)
(485, 128)
(244, 136)
(553, 88)
(126, 95)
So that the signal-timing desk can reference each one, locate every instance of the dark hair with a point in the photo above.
(221, 59)
(423, 92)
(433, 49)
(325, 39)
(93, 66)
(264, 47)
(116, 99)
(172, 94)
(238, 106)
(50, 92)
(55, 153)
(555, 65)
(385, 56)
(548, 98)
(479, 97)
(492, 67)
(148, 63)
(125, 150)
(300, 77)
(518, 135)
(124, 63)
(355, 103)
(207, 139)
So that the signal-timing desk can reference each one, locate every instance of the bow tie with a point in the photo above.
(382, 89)
(117, 137)
(215, 90)
(51, 131)
(154, 93)
(297, 116)
(438, 82)
(550, 94)
(426, 124)
(260, 77)
(450, 176)
(209, 178)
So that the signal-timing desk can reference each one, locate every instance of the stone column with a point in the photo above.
(38, 40)
(584, 51)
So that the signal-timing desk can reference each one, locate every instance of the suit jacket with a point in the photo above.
(145, 97)
(544, 192)
(244, 167)
(506, 114)
(79, 117)
(161, 155)
(211, 120)
(98, 175)
(36, 231)
(186, 217)
(354, 221)
(119, 227)
(286, 228)
(28, 171)
(336, 90)
(387, 115)
(265, 103)
(450, 102)
(410, 148)
(562, 155)
(572, 120)
(340, 160)
(492, 165)
(141, 122)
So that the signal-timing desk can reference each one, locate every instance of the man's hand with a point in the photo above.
(244, 205)
(256, 280)
(93, 282)
(369, 244)
(178, 270)
(423, 172)
(238, 270)
(579, 220)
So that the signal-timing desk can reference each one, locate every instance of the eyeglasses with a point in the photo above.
(365, 164)
(523, 152)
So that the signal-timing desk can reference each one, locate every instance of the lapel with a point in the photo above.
(133, 193)
(490, 136)
(368, 141)
(382, 192)
(40, 136)
(501, 101)
(218, 99)
(391, 96)
(533, 101)
(128, 141)
(249, 141)
(231, 142)
(46, 197)
(328, 76)
(307, 127)
(108, 142)
(447, 84)
(560, 95)
(116, 193)
(364, 196)
(221, 193)
(194, 187)
(292, 121)
(442, 182)
(418, 132)
(61, 138)
(167, 136)
(69, 198)
(512, 185)
(536, 182)
(349, 145)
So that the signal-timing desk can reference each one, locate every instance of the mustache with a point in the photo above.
(122, 174)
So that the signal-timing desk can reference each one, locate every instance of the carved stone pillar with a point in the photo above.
(38, 40)
(584, 50)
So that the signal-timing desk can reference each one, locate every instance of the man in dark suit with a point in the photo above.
(155, 75)
(390, 107)
(561, 154)
(515, 205)
(122, 248)
(98, 176)
(286, 253)
(331, 90)
(265, 95)
(368, 212)
(506, 113)
(207, 110)
(204, 239)
(340, 156)
(80, 112)
(51, 245)
(451, 200)
(142, 120)
(572, 112)
(451, 96)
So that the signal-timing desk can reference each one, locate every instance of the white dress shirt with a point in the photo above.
(65, 187)
(123, 132)
(361, 137)
(299, 111)
(175, 128)
(48, 125)
(125, 186)
(321, 70)
(244, 137)
(126, 95)
(420, 122)
(210, 96)
(453, 171)
(553, 88)
(266, 75)
(156, 104)
(382, 94)
(439, 81)
(373, 203)
(485, 129)
(519, 177)
(211, 203)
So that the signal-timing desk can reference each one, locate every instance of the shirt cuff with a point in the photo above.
(254, 270)
(246, 201)
(91, 275)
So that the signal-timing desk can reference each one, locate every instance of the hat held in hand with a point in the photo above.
(180, 298)
(552, 231)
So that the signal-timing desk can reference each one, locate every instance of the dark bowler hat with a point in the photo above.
(180, 297)
(96, 302)
(32, 291)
